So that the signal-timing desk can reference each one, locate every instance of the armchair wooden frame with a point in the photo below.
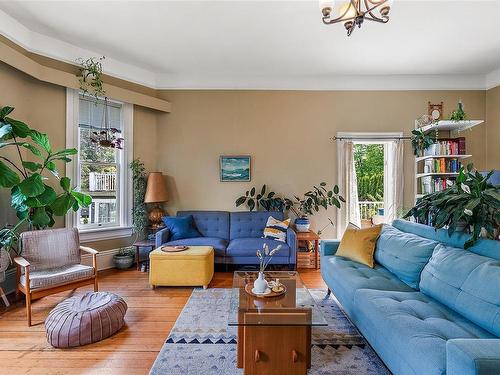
(31, 295)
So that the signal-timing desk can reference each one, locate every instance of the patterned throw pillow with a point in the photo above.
(275, 229)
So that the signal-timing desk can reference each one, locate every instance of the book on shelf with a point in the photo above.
(432, 184)
(450, 146)
(442, 165)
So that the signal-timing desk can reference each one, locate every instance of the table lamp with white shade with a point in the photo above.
(156, 192)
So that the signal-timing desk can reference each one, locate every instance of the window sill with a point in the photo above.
(100, 234)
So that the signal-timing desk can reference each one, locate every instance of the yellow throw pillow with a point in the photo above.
(359, 244)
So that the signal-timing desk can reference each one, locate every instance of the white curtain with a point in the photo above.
(348, 185)
(395, 182)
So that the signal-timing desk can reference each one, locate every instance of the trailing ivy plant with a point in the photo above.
(35, 202)
(312, 201)
(90, 76)
(471, 203)
(421, 140)
(139, 211)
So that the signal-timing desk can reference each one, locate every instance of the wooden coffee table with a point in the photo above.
(274, 334)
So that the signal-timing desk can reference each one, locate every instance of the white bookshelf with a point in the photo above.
(453, 127)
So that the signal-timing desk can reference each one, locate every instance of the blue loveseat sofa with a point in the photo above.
(428, 306)
(235, 236)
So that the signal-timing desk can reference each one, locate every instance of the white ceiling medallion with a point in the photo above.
(354, 12)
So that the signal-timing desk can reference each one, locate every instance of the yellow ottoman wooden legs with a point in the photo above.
(192, 267)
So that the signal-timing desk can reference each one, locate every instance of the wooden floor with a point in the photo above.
(150, 316)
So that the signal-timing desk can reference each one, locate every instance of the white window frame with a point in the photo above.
(123, 228)
(383, 138)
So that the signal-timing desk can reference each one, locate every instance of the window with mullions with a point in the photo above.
(98, 167)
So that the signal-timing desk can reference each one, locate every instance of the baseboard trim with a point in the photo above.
(104, 262)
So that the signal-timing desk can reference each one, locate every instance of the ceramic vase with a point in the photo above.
(302, 224)
(260, 284)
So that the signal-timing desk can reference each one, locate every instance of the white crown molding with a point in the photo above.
(323, 83)
(493, 79)
(57, 49)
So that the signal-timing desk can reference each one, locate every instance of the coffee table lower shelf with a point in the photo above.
(274, 349)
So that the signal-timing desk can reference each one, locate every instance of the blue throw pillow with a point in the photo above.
(181, 227)
(404, 254)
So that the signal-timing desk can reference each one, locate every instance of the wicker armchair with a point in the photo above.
(51, 264)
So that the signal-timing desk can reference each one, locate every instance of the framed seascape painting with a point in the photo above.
(235, 168)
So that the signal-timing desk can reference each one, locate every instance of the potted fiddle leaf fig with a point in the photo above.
(421, 141)
(472, 205)
(35, 201)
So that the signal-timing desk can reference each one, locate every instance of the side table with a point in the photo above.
(311, 237)
(138, 245)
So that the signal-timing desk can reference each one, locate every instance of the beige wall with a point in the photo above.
(493, 128)
(287, 133)
(43, 106)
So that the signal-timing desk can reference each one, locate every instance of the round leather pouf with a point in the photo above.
(85, 319)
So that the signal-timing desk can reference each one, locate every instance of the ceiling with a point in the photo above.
(266, 44)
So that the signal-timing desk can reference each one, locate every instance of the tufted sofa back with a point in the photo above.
(250, 224)
(465, 282)
(210, 223)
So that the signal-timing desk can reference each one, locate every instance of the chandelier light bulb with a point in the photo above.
(326, 7)
(347, 11)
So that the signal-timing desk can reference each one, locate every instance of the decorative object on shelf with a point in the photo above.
(260, 285)
(125, 258)
(156, 192)
(302, 224)
(354, 12)
(472, 203)
(424, 120)
(421, 140)
(139, 210)
(459, 113)
(36, 203)
(90, 77)
(107, 136)
(235, 168)
(435, 111)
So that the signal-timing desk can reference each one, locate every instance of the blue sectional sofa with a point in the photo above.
(428, 306)
(235, 236)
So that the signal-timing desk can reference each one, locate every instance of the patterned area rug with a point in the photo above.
(201, 342)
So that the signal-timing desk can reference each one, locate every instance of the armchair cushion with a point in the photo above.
(53, 248)
(57, 276)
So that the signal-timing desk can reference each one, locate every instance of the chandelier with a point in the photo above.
(354, 12)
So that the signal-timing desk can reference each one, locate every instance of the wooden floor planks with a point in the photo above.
(150, 317)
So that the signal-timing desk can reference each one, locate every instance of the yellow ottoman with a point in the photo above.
(192, 267)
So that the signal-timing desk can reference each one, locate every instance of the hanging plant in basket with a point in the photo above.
(91, 83)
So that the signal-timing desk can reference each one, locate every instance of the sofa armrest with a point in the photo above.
(161, 237)
(472, 356)
(329, 247)
(291, 240)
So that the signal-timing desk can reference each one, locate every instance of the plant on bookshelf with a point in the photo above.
(472, 203)
(420, 140)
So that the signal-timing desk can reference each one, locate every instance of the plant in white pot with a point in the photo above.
(260, 285)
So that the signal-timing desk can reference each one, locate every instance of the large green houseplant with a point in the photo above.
(36, 202)
(139, 210)
(471, 204)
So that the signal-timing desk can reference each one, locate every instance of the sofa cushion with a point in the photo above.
(249, 247)
(411, 329)
(276, 229)
(219, 244)
(359, 244)
(404, 254)
(250, 224)
(465, 282)
(181, 227)
(346, 276)
(56, 276)
(210, 223)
